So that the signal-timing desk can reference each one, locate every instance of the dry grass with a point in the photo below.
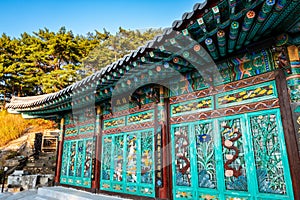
(13, 126)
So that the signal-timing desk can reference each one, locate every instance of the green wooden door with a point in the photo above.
(76, 166)
(128, 163)
(235, 157)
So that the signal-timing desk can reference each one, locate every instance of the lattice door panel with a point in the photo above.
(237, 157)
(128, 163)
(77, 162)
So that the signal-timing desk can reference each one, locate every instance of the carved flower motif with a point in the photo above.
(204, 138)
(228, 143)
(229, 173)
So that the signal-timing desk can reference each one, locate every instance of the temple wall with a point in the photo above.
(219, 136)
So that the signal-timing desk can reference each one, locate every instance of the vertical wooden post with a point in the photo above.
(164, 191)
(60, 150)
(289, 131)
(96, 181)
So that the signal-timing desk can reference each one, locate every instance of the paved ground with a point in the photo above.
(55, 193)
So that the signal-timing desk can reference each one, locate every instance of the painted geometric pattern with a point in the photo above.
(187, 84)
(77, 163)
(267, 151)
(244, 66)
(81, 123)
(191, 106)
(249, 94)
(128, 161)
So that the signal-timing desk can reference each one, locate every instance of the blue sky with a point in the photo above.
(82, 16)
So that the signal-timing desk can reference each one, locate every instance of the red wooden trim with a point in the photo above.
(59, 157)
(96, 181)
(157, 193)
(166, 191)
(289, 131)
(169, 173)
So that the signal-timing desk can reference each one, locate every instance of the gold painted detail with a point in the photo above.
(246, 95)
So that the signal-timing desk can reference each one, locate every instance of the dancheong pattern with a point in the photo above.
(80, 123)
(265, 90)
(135, 118)
(192, 106)
(116, 122)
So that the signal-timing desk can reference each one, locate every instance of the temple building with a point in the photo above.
(207, 110)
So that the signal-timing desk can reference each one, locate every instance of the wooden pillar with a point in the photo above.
(96, 181)
(289, 131)
(60, 150)
(165, 192)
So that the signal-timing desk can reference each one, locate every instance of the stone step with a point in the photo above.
(5, 195)
(25, 195)
(39, 197)
(40, 164)
(62, 193)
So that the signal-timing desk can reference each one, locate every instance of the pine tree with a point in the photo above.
(48, 61)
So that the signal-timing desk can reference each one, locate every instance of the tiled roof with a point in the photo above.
(192, 24)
